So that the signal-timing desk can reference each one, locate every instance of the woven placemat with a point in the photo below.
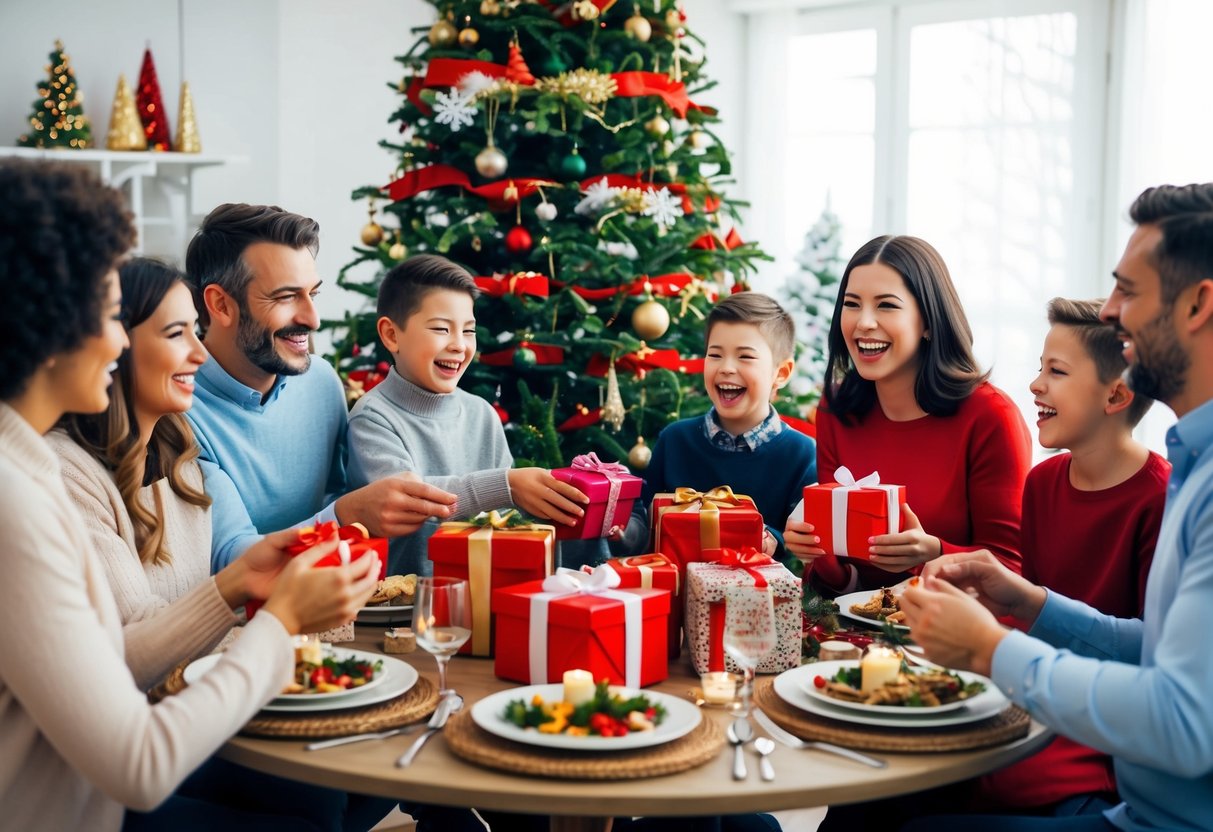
(468, 740)
(1010, 724)
(414, 705)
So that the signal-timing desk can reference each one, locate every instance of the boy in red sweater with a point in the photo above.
(1090, 521)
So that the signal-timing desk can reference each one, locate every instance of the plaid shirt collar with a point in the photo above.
(751, 440)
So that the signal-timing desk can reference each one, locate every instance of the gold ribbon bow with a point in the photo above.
(721, 496)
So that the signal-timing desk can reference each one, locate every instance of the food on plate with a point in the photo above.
(399, 640)
(929, 689)
(884, 605)
(606, 714)
(394, 590)
(316, 672)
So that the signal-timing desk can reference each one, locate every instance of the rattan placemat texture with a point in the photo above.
(468, 740)
(415, 704)
(1010, 724)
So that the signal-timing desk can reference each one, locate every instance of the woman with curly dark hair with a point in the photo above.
(904, 397)
(72, 678)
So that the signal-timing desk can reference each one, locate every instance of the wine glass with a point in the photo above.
(749, 633)
(442, 619)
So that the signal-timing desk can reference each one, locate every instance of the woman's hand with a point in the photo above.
(800, 538)
(907, 548)
(309, 600)
(252, 576)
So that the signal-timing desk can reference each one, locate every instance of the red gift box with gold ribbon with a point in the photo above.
(707, 585)
(846, 513)
(654, 571)
(494, 550)
(687, 522)
(611, 488)
(581, 620)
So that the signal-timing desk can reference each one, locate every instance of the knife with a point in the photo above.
(446, 707)
(792, 741)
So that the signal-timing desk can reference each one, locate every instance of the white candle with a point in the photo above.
(719, 688)
(578, 686)
(879, 666)
(837, 651)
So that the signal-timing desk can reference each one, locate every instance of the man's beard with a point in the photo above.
(259, 346)
(1160, 371)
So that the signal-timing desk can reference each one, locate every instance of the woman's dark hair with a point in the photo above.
(112, 436)
(61, 232)
(947, 371)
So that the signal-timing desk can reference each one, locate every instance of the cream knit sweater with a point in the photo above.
(78, 739)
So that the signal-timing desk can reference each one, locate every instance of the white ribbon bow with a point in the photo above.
(840, 498)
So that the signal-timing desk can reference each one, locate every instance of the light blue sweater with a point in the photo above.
(270, 465)
(1141, 691)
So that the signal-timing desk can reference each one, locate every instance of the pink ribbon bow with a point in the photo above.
(611, 470)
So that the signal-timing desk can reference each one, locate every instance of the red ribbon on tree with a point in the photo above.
(515, 284)
(804, 426)
(666, 286)
(583, 418)
(544, 354)
(641, 362)
(710, 242)
(437, 176)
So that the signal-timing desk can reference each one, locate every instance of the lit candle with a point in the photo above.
(879, 666)
(578, 686)
(719, 688)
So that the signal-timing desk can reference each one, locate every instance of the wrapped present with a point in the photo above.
(581, 620)
(611, 488)
(687, 522)
(707, 583)
(654, 571)
(493, 550)
(358, 543)
(846, 513)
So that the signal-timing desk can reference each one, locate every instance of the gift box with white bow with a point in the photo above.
(581, 620)
(846, 513)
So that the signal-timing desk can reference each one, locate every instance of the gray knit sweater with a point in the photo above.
(452, 440)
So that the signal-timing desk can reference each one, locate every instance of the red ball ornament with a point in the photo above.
(501, 412)
(382, 367)
(518, 240)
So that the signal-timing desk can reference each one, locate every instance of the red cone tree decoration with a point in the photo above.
(151, 107)
(516, 69)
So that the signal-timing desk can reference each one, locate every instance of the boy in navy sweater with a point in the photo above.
(741, 442)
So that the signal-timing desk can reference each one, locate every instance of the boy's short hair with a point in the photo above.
(406, 285)
(1101, 343)
(762, 311)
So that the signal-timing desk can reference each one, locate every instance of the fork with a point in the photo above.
(793, 741)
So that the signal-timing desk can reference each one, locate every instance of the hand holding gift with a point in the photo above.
(537, 492)
(607, 490)
(903, 550)
(846, 516)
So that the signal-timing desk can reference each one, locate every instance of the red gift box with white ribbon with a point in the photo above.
(653, 571)
(846, 513)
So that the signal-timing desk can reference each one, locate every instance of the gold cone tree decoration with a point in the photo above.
(187, 140)
(126, 130)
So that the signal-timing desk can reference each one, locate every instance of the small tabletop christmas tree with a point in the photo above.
(151, 106)
(556, 151)
(58, 118)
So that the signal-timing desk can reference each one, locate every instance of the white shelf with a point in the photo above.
(168, 174)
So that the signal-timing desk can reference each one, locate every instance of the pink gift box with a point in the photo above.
(611, 489)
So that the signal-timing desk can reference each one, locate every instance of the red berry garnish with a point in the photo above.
(819, 682)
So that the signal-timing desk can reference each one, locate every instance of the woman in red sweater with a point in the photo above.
(904, 397)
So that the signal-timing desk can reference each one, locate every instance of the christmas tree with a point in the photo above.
(810, 295)
(58, 118)
(151, 106)
(558, 153)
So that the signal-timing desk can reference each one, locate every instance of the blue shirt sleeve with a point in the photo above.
(232, 530)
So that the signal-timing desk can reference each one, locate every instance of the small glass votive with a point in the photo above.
(719, 689)
(830, 651)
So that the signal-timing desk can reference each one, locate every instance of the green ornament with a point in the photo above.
(573, 166)
(525, 358)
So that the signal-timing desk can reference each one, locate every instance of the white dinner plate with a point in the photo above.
(830, 669)
(680, 719)
(844, 603)
(385, 614)
(792, 686)
(395, 678)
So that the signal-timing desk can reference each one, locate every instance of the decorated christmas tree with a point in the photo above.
(58, 118)
(809, 295)
(558, 152)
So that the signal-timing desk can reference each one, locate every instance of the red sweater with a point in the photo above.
(963, 473)
(1096, 547)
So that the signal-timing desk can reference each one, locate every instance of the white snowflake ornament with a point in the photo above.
(453, 110)
(664, 207)
(597, 197)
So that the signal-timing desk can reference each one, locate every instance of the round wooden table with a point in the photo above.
(803, 778)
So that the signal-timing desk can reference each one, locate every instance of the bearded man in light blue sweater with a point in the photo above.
(270, 422)
(419, 420)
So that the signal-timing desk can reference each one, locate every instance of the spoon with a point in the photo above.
(739, 734)
(764, 746)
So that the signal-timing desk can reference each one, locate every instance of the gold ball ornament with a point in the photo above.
(442, 33)
(640, 455)
(491, 163)
(638, 27)
(468, 37)
(490, 8)
(698, 139)
(673, 18)
(372, 234)
(657, 125)
(650, 320)
(398, 251)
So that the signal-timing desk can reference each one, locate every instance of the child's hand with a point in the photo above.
(537, 492)
(908, 548)
(769, 543)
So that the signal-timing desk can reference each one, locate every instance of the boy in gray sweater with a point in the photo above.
(418, 420)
